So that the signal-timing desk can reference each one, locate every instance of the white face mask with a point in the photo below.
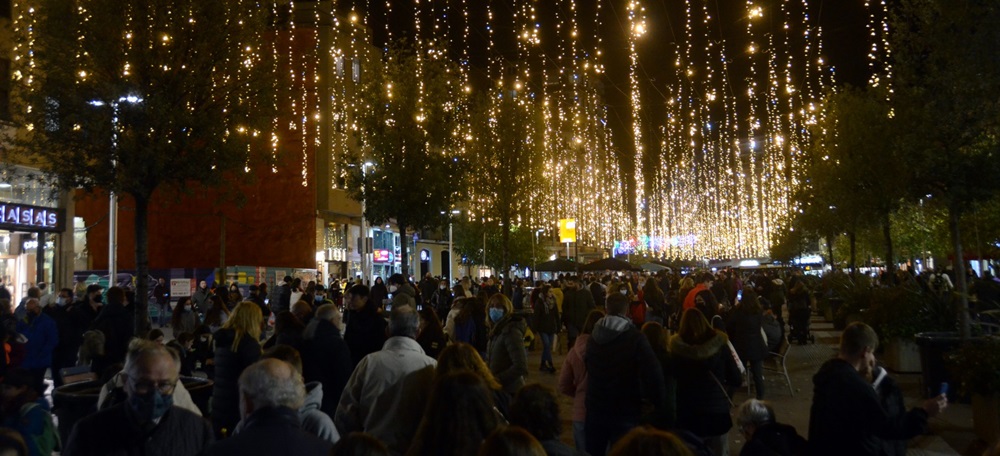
(443, 287)
(623, 292)
(393, 288)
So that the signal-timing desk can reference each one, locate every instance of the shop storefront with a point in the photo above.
(31, 225)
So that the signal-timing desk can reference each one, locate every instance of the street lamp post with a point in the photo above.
(364, 223)
(112, 197)
(451, 242)
(534, 257)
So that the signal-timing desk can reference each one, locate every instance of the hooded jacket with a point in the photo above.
(508, 360)
(621, 370)
(847, 417)
(702, 405)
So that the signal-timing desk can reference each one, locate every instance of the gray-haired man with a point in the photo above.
(386, 394)
(271, 392)
(148, 422)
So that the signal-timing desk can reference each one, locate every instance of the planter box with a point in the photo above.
(986, 417)
(902, 356)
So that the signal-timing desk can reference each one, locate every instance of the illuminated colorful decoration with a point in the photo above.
(727, 152)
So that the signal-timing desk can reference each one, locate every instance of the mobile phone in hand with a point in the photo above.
(944, 389)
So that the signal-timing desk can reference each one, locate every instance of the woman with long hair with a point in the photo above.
(545, 322)
(236, 347)
(704, 368)
(656, 300)
(658, 338)
(217, 314)
(459, 416)
(464, 357)
(288, 330)
(184, 318)
(430, 335)
(744, 329)
(379, 294)
(507, 357)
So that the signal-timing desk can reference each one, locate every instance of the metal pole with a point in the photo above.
(364, 243)
(112, 240)
(451, 260)
(567, 250)
(484, 251)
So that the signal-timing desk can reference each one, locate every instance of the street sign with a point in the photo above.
(567, 230)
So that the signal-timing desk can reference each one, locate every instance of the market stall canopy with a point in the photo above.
(609, 264)
(557, 265)
(654, 267)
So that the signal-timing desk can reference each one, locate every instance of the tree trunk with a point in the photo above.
(829, 249)
(141, 264)
(890, 257)
(962, 287)
(505, 239)
(404, 261)
(853, 239)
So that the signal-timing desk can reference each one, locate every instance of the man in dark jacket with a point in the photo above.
(846, 415)
(365, 332)
(271, 392)
(148, 422)
(117, 322)
(325, 356)
(577, 303)
(284, 293)
(427, 287)
(402, 292)
(65, 353)
(621, 369)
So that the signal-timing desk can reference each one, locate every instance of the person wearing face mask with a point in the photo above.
(402, 292)
(148, 421)
(441, 300)
(507, 358)
(325, 356)
(64, 354)
(43, 336)
(27, 412)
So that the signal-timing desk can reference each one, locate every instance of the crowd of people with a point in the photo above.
(442, 368)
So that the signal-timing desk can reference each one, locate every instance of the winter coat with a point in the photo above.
(554, 447)
(284, 299)
(576, 305)
(847, 416)
(775, 440)
(507, 357)
(441, 301)
(432, 343)
(327, 360)
(774, 330)
(744, 331)
(621, 369)
(708, 305)
(545, 316)
(387, 393)
(117, 322)
(201, 301)
(229, 365)
(378, 293)
(43, 336)
(114, 432)
(892, 402)
(702, 404)
(272, 430)
(188, 323)
(312, 419)
(365, 332)
(573, 377)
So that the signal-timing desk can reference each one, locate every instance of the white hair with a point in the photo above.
(272, 383)
(754, 413)
(139, 349)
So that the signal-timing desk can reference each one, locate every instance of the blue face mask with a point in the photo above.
(496, 314)
(151, 406)
(319, 299)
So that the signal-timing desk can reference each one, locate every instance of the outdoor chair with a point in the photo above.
(778, 362)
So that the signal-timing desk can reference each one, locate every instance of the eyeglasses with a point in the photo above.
(145, 386)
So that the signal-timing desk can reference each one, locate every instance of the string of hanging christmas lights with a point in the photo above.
(712, 177)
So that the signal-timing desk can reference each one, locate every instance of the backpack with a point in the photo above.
(48, 441)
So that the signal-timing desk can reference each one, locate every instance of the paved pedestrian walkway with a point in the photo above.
(951, 432)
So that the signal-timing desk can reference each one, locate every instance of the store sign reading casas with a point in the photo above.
(21, 217)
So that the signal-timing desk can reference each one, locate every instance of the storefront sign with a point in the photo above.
(181, 288)
(383, 256)
(21, 217)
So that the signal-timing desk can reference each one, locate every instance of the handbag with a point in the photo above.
(723, 389)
